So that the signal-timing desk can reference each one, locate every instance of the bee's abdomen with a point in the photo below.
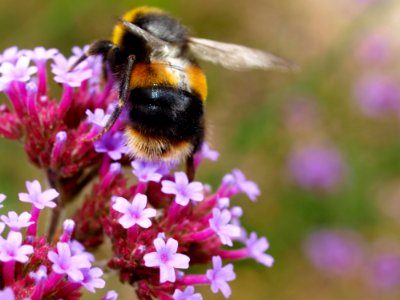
(166, 111)
(164, 123)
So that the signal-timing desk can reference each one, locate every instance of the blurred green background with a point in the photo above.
(247, 116)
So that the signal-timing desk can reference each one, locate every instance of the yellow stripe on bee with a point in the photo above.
(148, 75)
(197, 81)
(130, 16)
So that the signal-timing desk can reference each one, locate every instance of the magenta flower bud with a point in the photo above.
(69, 226)
(40, 277)
(58, 148)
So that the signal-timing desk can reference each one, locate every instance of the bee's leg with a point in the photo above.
(123, 97)
(190, 169)
(97, 48)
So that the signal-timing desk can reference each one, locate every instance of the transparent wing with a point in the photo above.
(237, 57)
(155, 43)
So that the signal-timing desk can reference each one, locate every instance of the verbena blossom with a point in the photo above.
(183, 190)
(187, 294)
(317, 167)
(168, 226)
(378, 95)
(10, 55)
(335, 252)
(166, 258)
(236, 182)
(219, 276)
(15, 222)
(12, 249)
(219, 224)
(22, 71)
(38, 198)
(383, 271)
(373, 48)
(135, 212)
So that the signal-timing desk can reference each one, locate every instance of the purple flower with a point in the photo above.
(73, 78)
(19, 72)
(10, 55)
(219, 223)
(79, 51)
(98, 118)
(2, 198)
(40, 275)
(373, 48)
(7, 294)
(167, 259)
(66, 263)
(16, 222)
(205, 152)
(182, 189)
(40, 54)
(111, 295)
(187, 294)
(135, 212)
(147, 171)
(38, 198)
(219, 276)
(12, 249)
(317, 167)
(377, 94)
(78, 248)
(112, 144)
(237, 182)
(384, 271)
(334, 252)
(91, 279)
(257, 247)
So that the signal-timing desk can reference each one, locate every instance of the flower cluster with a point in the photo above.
(314, 164)
(344, 253)
(376, 90)
(159, 225)
(33, 268)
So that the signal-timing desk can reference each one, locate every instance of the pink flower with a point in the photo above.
(135, 212)
(219, 223)
(19, 72)
(66, 263)
(12, 249)
(182, 189)
(38, 198)
(219, 276)
(166, 258)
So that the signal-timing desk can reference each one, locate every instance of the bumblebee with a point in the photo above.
(153, 58)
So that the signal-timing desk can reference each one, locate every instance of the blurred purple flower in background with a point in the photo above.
(377, 95)
(373, 48)
(384, 271)
(335, 252)
(317, 167)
